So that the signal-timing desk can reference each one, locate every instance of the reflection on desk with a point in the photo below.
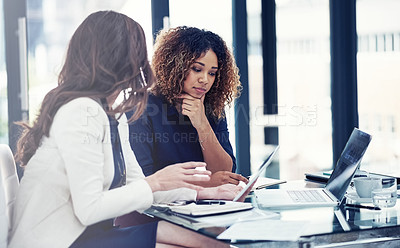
(221, 220)
(264, 229)
(323, 227)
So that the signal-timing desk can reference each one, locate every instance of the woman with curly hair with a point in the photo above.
(196, 77)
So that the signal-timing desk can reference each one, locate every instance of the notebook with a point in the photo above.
(203, 207)
(334, 191)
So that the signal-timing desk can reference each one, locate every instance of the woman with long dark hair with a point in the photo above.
(80, 172)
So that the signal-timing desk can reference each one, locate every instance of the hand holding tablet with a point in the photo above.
(253, 178)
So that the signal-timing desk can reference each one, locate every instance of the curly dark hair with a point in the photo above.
(176, 49)
(106, 54)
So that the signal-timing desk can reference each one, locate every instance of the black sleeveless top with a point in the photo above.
(119, 162)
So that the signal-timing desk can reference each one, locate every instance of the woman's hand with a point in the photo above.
(222, 192)
(194, 109)
(223, 177)
(241, 199)
(180, 175)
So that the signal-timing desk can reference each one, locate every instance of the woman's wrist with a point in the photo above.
(203, 133)
(206, 193)
(154, 185)
(204, 129)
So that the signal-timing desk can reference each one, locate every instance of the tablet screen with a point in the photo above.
(254, 177)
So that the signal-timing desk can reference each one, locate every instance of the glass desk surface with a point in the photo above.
(326, 225)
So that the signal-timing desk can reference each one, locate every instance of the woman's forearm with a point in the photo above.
(216, 158)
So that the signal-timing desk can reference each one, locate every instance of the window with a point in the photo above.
(303, 77)
(303, 81)
(258, 149)
(3, 84)
(378, 76)
(50, 25)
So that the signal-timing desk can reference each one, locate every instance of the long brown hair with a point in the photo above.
(107, 54)
(177, 49)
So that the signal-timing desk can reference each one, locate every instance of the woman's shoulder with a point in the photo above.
(77, 113)
(82, 105)
(156, 103)
(83, 101)
(153, 99)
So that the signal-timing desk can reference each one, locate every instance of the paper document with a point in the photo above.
(265, 229)
(230, 218)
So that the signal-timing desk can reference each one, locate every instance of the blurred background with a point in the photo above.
(299, 116)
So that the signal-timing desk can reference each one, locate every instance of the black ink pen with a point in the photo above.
(361, 206)
(205, 202)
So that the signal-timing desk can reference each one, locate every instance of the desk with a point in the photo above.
(328, 226)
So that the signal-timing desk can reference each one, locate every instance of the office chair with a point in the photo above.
(9, 184)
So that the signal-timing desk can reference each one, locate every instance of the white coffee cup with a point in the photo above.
(365, 185)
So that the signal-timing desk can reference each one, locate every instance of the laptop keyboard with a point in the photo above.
(306, 196)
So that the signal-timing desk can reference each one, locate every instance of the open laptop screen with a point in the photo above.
(348, 163)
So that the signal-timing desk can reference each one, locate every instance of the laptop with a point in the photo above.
(255, 176)
(334, 191)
